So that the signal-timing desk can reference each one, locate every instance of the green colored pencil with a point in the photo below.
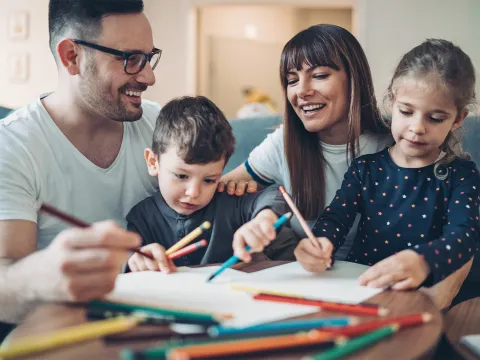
(179, 315)
(345, 348)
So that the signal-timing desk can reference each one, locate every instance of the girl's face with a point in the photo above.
(320, 97)
(422, 116)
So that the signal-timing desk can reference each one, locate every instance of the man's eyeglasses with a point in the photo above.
(134, 61)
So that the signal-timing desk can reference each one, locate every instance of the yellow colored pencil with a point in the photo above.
(70, 335)
(187, 239)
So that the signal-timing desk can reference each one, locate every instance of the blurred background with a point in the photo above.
(229, 50)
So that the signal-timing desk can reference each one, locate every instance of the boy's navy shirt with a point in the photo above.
(156, 222)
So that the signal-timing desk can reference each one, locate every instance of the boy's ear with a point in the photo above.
(152, 162)
(459, 120)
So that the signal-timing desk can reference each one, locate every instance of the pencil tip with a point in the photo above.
(210, 278)
(288, 215)
(206, 225)
(427, 317)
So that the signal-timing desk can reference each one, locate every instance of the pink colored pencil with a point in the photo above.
(188, 249)
(299, 216)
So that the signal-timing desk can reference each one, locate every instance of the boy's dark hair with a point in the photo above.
(82, 18)
(197, 127)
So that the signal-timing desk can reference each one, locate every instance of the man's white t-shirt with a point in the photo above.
(39, 164)
(268, 162)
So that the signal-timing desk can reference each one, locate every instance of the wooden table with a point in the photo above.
(413, 343)
(463, 319)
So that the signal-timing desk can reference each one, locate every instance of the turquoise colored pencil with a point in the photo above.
(233, 260)
(284, 327)
(345, 348)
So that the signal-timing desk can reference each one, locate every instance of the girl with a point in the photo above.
(418, 199)
(331, 117)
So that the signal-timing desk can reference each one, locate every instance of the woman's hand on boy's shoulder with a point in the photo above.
(161, 262)
(238, 188)
(405, 270)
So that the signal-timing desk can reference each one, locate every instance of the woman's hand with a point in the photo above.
(402, 271)
(258, 233)
(314, 256)
(238, 188)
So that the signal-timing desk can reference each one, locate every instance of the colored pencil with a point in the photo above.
(344, 348)
(360, 329)
(299, 216)
(70, 335)
(188, 239)
(181, 316)
(357, 309)
(284, 327)
(49, 209)
(188, 249)
(243, 346)
(234, 259)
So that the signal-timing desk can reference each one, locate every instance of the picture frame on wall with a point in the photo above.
(17, 25)
(18, 68)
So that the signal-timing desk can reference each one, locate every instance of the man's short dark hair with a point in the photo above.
(197, 127)
(83, 17)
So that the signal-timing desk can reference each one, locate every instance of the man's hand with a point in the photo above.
(81, 264)
(402, 271)
(258, 233)
(161, 263)
(314, 256)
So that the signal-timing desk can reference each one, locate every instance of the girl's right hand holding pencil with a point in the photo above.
(314, 256)
(161, 263)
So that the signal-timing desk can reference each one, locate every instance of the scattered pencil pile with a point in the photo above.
(336, 337)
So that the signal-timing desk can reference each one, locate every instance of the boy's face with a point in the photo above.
(186, 188)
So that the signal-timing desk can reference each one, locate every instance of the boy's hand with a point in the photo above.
(404, 270)
(257, 233)
(238, 188)
(161, 263)
(312, 257)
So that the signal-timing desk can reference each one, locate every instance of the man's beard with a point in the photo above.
(97, 96)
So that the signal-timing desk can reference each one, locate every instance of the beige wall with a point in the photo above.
(307, 17)
(390, 28)
(43, 72)
(386, 29)
(230, 21)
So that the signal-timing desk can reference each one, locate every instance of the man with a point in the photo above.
(79, 149)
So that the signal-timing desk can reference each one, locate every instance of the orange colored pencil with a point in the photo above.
(357, 309)
(363, 328)
(299, 216)
(244, 346)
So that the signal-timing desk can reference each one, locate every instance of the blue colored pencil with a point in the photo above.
(233, 260)
(284, 327)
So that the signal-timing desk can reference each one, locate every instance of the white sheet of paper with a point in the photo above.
(473, 342)
(189, 290)
(339, 284)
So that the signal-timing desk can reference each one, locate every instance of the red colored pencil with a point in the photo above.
(49, 209)
(357, 309)
(188, 249)
(363, 328)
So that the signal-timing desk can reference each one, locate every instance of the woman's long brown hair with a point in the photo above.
(333, 46)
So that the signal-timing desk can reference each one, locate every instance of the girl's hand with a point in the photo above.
(257, 233)
(161, 263)
(312, 257)
(238, 188)
(402, 271)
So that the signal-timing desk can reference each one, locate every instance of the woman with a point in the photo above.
(331, 117)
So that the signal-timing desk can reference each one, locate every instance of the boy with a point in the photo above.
(192, 143)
